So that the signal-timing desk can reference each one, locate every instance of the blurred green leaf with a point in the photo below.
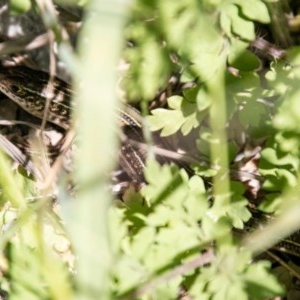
(252, 113)
(27, 281)
(183, 116)
(255, 10)
(19, 6)
(218, 278)
(9, 183)
(277, 158)
(177, 214)
(241, 58)
(260, 283)
(240, 26)
(271, 203)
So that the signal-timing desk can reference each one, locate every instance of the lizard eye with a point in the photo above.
(14, 88)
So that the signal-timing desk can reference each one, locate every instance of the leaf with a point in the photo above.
(183, 117)
(209, 55)
(260, 283)
(237, 209)
(278, 158)
(139, 246)
(236, 212)
(186, 21)
(279, 77)
(293, 55)
(252, 114)
(196, 204)
(178, 233)
(277, 179)
(218, 278)
(213, 226)
(288, 141)
(171, 186)
(168, 290)
(148, 68)
(254, 10)
(288, 116)
(27, 282)
(19, 6)
(153, 69)
(235, 266)
(185, 196)
(272, 203)
(241, 58)
(239, 26)
(128, 271)
(225, 23)
(242, 89)
(203, 101)
(177, 18)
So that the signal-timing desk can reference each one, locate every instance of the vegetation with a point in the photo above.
(208, 73)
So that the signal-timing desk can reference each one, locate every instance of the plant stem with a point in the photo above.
(218, 145)
(99, 50)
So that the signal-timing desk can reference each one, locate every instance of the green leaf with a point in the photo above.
(237, 209)
(203, 101)
(171, 187)
(168, 290)
(288, 116)
(293, 55)
(183, 117)
(288, 141)
(225, 23)
(19, 6)
(190, 94)
(278, 179)
(242, 89)
(178, 233)
(10, 183)
(272, 202)
(278, 158)
(196, 202)
(254, 10)
(25, 274)
(209, 55)
(241, 58)
(252, 113)
(139, 246)
(128, 272)
(177, 17)
(260, 283)
(236, 213)
(153, 69)
(239, 26)
(279, 77)
(213, 226)
(149, 68)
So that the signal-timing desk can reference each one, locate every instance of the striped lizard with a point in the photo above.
(28, 89)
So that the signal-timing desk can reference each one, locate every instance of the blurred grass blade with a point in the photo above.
(99, 49)
(9, 184)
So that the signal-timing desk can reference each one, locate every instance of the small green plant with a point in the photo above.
(177, 235)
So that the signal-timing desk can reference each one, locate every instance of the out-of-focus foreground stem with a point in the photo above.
(95, 83)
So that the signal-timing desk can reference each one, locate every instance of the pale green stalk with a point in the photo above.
(99, 50)
(218, 146)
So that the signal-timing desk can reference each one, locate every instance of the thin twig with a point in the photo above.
(285, 265)
(23, 44)
(199, 261)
